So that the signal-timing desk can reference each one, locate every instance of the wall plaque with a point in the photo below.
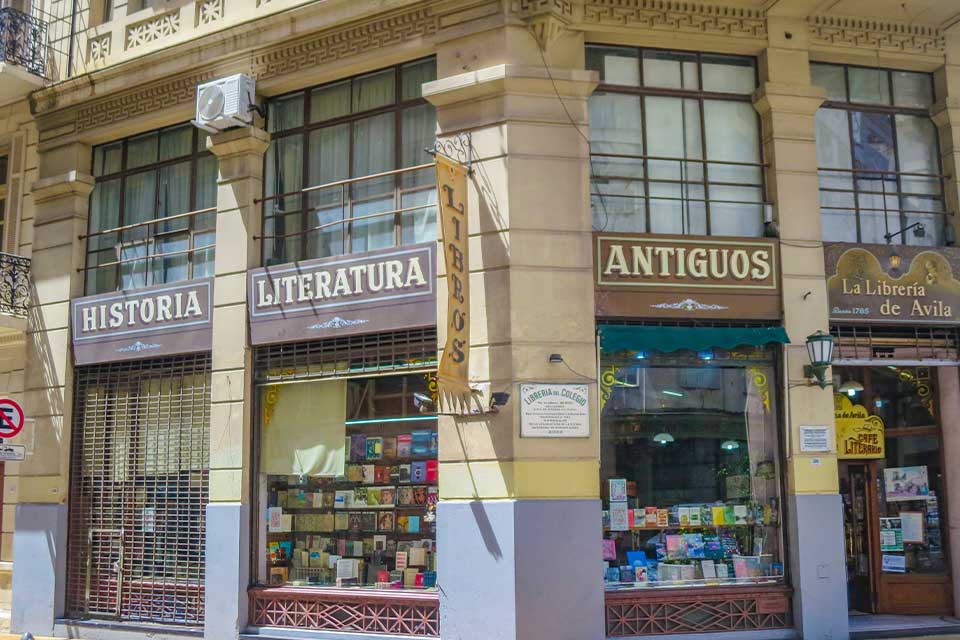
(893, 283)
(382, 290)
(554, 411)
(859, 434)
(155, 321)
(686, 277)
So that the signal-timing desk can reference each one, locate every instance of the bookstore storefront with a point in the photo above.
(895, 383)
(346, 443)
(690, 434)
(140, 454)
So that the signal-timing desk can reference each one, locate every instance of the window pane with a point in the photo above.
(107, 159)
(673, 131)
(142, 150)
(413, 75)
(418, 133)
(918, 153)
(670, 70)
(732, 135)
(171, 268)
(285, 113)
(932, 233)
(331, 101)
(869, 86)
(616, 65)
(677, 208)
(104, 210)
(203, 263)
(376, 232)
(838, 225)
(872, 141)
(373, 90)
(912, 89)
(207, 174)
(284, 172)
(732, 215)
(618, 205)
(327, 241)
(329, 162)
(419, 225)
(728, 74)
(280, 246)
(831, 77)
(140, 200)
(615, 124)
(174, 194)
(176, 142)
(373, 152)
(833, 139)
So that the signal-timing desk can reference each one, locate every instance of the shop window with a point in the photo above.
(152, 211)
(674, 143)
(878, 157)
(690, 469)
(348, 483)
(326, 142)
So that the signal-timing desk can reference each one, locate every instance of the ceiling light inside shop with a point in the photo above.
(850, 387)
(675, 394)
(729, 445)
(663, 438)
(706, 355)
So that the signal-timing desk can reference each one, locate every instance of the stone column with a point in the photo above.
(61, 200)
(787, 103)
(518, 523)
(240, 153)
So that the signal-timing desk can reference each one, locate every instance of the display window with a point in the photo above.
(690, 469)
(348, 482)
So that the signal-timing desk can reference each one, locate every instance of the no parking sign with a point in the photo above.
(11, 418)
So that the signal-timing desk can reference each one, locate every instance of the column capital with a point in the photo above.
(239, 141)
(70, 184)
(792, 98)
(510, 78)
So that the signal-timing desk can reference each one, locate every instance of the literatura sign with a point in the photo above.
(145, 323)
(361, 293)
(684, 277)
(893, 283)
(554, 411)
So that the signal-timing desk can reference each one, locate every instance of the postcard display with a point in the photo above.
(373, 526)
(689, 469)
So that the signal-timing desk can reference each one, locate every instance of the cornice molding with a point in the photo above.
(677, 16)
(875, 35)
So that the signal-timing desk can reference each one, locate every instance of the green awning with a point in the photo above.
(615, 338)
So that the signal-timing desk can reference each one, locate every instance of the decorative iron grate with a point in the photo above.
(23, 40)
(634, 613)
(138, 490)
(14, 284)
(856, 343)
(348, 356)
(385, 612)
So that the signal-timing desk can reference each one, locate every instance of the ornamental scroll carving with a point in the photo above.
(876, 35)
(672, 15)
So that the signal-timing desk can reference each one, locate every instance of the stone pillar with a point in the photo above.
(61, 200)
(946, 115)
(787, 103)
(948, 383)
(518, 523)
(240, 154)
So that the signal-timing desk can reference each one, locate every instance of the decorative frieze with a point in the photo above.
(673, 15)
(209, 11)
(99, 48)
(875, 35)
(157, 28)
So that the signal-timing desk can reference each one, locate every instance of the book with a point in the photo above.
(401, 560)
(410, 577)
(368, 521)
(429, 579)
(404, 473)
(286, 522)
(358, 448)
(650, 516)
(609, 549)
(404, 445)
(419, 496)
(695, 548)
(273, 551)
(274, 519)
(676, 547)
(740, 514)
(354, 473)
(341, 521)
(369, 476)
(279, 575)
(617, 489)
(343, 499)
(434, 443)
(413, 524)
(388, 495)
(708, 569)
(663, 517)
(380, 543)
(619, 518)
(385, 521)
(360, 496)
(357, 548)
(389, 448)
(405, 496)
(432, 469)
(718, 515)
(355, 523)
(373, 497)
(417, 557)
(712, 548)
(374, 448)
(381, 474)
(684, 513)
(723, 571)
(693, 513)
(420, 443)
(418, 472)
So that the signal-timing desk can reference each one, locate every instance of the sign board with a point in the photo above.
(155, 321)
(859, 434)
(12, 452)
(554, 410)
(11, 418)
(453, 371)
(686, 277)
(814, 439)
(893, 283)
(368, 292)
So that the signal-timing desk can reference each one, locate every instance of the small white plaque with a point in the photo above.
(814, 439)
(554, 410)
(12, 452)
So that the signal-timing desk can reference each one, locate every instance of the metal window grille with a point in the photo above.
(138, 491)
(348, 356)
(903, 344)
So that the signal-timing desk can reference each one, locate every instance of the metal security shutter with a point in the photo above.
(864, 344)
(138, 490)
(349, 356)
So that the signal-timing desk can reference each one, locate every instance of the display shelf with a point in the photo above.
(424, 535)
(369, 507)
(689, 526)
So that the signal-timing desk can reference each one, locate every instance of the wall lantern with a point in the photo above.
(820, 352)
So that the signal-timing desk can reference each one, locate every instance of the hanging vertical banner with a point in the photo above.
(453, 372)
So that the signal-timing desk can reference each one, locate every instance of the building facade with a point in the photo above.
(564, 319)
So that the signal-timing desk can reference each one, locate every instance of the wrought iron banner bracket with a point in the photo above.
(458, 147)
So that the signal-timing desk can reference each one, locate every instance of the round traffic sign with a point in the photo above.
(11, 418)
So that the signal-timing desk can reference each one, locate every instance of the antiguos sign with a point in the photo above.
(362, 293)
(680, 276)
(145, 323)
(859, 434)
(883, 283)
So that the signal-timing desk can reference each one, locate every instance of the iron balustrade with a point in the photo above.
(14, 284)
(23, 41)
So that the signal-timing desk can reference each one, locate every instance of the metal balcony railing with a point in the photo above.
(23, 41)
(14, 285)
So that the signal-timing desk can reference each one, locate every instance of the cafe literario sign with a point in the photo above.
(686, 277)
(381, 290)
(859, 434)
(163, 320)
(893, 283)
